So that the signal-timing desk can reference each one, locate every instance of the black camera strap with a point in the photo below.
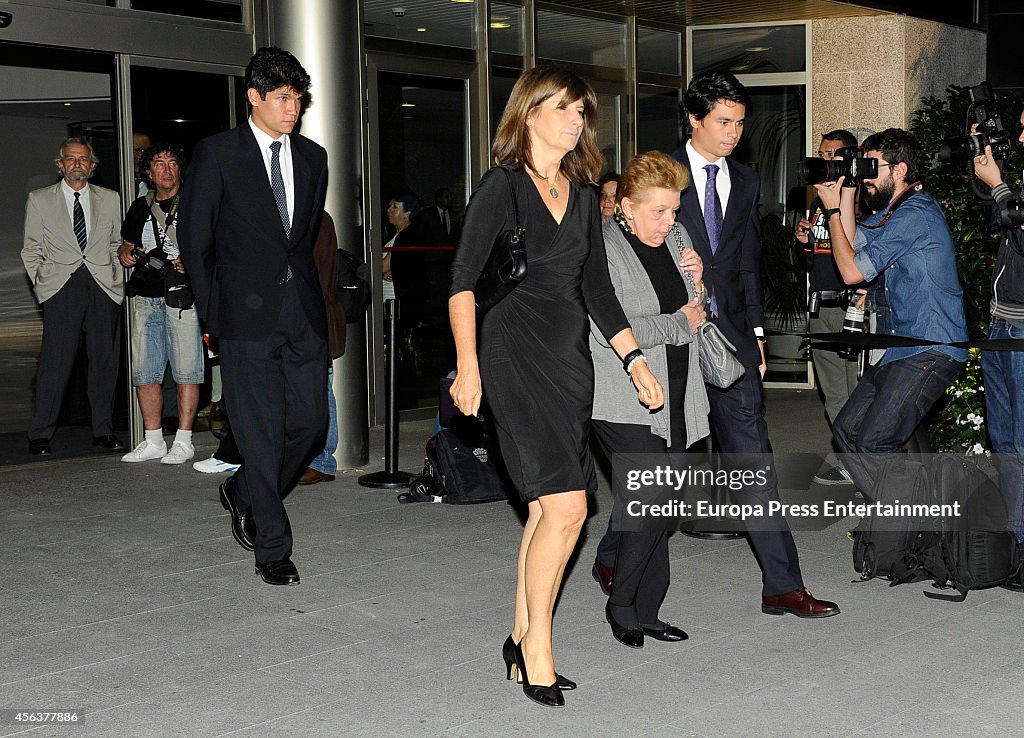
(912, 190)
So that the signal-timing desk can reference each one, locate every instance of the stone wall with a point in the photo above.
(898, 61)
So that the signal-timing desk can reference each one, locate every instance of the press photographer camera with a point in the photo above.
(988, 132)
(849, 162)
(148, 265)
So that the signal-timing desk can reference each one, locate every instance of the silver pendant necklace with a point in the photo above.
(552, 190)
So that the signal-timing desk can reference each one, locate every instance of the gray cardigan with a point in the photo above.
(614, 395)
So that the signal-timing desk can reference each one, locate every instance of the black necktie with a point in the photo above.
(277, 185)
(78, 222)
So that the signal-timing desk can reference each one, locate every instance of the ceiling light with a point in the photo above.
(758, 49)
(501, 25)
(462, 1)
(408, 105)
(421, 30)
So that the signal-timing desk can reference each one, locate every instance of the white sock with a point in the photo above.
(156, 437)
(184, 437)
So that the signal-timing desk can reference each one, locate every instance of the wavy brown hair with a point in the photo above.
(648, 170)
(534, 86)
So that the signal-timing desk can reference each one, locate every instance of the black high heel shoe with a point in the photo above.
(550, 696)
(508, 652)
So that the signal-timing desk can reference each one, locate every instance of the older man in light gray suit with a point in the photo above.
(72, 232)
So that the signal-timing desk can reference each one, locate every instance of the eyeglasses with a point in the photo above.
(886, 164)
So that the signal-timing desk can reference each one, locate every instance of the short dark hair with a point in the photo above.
(606, 178)
(409, 201)
(272, 67)
(161, 147)
(707, 88)
(897, 145)
(841, 135)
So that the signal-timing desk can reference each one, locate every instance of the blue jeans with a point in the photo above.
(886, 407)
(162, 334)
(1004, 416)
(325, 463)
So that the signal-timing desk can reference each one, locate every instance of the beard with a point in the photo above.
(879, 198)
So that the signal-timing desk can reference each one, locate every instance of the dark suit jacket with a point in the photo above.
(430, 228)
(734, 273)
(232, 241)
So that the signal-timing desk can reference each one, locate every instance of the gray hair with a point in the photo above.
(75, 140)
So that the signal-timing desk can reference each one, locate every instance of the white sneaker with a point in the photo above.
(146, 451)
(179, 453)
(213, 465)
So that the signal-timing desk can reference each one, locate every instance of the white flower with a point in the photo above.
(976, 449)
(958, 393)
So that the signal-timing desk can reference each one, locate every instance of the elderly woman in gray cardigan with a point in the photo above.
(647, 250)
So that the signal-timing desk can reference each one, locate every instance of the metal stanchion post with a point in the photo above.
(390, 477)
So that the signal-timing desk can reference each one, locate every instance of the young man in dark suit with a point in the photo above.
(719, 211)
(249, 219)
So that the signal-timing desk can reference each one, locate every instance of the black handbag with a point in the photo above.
(506, 265)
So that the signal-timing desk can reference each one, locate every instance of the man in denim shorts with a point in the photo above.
(160, 333)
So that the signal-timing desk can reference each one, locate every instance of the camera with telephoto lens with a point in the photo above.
(1011, 213)
(990, 130)
(849, 162)
(145, 264)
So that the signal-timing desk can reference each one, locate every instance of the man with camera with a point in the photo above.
(837, 374)
(165, 327)
(906, 245)
(1004, 370)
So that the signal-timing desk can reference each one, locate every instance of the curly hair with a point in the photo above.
(161, 147)
(648, 170)
(897, 145)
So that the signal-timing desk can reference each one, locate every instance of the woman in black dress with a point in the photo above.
(534, 359)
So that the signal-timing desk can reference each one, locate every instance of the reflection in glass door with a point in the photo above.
(609, 130)
(46, 95)
(422, 171)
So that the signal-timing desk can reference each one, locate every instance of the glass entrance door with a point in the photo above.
(46, 95)
(419, 168)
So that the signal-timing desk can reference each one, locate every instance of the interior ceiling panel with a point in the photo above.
(713, 12)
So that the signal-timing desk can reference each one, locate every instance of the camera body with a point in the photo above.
(1011, 213)
(990, 130)
(153, 261)
(853, 165)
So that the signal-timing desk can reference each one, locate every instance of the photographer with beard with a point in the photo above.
(905, 244)
(1004, 370)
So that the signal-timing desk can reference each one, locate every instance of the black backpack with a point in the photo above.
(973, 550)
(352, 285)
(460, 469)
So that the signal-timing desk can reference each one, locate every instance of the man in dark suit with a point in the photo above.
(250, 214)
(719, 211)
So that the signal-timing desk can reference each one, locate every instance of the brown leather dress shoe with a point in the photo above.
(312, 476)
(800, 602)
(603, 575)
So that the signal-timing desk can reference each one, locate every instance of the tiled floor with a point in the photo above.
(123, 594)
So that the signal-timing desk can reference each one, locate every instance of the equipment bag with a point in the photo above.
(883, 546)
(974, 550)
(460, 471)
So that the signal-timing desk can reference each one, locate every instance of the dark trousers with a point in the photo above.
(273, 388)
(739, 426)
(80, 305)
(886, 407)
(641, 555)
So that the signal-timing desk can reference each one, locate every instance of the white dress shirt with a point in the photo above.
(700, 177)
(263, 140)
(69, 198)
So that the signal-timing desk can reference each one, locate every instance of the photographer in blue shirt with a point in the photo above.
(906, 244)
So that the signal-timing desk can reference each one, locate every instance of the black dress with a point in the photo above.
(533, 346)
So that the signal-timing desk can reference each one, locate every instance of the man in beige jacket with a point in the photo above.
(72, 232)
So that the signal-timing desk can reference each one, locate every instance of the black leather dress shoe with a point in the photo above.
(39, 447)
(108, 443)
(243, 527)
(626, 636)
(603, 575)
(664, 632)
(278, 572)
